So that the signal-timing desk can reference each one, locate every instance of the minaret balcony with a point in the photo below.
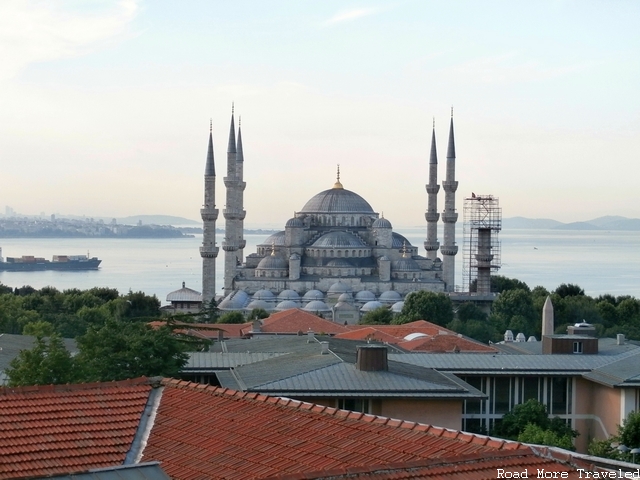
(432, 189)
(449, 217)
(209, 214)
(234, 214)
(230, 246)
(242, 244)
(449, 249)
(450, 187)
(209, 251)
(432, 216)
(431, 246)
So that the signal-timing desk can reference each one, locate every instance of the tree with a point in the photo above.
(38, 329)
(257, 314)
(513, 310)
(423, 305)
(629, 431)
(529, 422)
(48, 362)
(568, 290)
(377, 316)
(231, 317)
(120, 349)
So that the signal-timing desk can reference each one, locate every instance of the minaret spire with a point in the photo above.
(209, 214)
(338, 184)
(234, 209)
(431, 245)
(449, 216)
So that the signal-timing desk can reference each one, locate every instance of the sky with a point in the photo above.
(105, 105)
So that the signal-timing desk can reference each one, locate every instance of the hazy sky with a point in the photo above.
(105, 106)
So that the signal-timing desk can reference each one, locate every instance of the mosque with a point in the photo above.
(336, 257)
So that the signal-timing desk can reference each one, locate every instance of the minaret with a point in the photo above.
(209, 214)
(233, 212)
(449, 248)
(242, 185)
(432, 215)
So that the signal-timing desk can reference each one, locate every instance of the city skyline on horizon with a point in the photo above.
(106, 106)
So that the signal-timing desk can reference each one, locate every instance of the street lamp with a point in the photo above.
(634, 451)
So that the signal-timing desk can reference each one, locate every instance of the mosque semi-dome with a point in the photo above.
(382, 223)
(273, 262)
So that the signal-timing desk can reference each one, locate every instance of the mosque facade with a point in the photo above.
(336, 257)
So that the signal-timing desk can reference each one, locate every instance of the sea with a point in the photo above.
(598, 261)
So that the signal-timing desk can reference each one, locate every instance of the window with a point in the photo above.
(577, 347)
(354, 404)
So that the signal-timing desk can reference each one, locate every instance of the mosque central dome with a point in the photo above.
(337, 200)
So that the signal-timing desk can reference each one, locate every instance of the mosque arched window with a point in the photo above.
(359, 253)
(352, 221)
(346, 253)
(324, 253)
(404, 276)
(339, 253)
(331, 253)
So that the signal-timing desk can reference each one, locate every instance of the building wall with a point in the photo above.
(442, 413)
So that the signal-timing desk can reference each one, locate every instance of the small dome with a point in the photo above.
(367, 307)
(339, 287)
(339, 240)
(286, 305)
(532, 339)
(263, 295)
(275, 239)
(397, 307)
(339, 262)
(413, 336)
(273, 262)
(258, 304)
(345, 297)
(399, 241)
(234, 301)
(316, 306)
(521, 338)
(313, 295)
(390, 296)
(365, 296)
(382, 223)
(384, 258)
(288, 295)
(294, 223)
(405, 265)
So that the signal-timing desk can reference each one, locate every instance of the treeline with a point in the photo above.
(72, 312)
(519, 308)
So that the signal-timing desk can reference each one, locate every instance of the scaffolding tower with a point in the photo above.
(481, 246)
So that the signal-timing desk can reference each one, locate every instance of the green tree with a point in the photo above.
(529, 422)
(535, 434)
(513, 310)
(231, 317)
(120, 349)
(429, 306)
(470, 311)
(629, 431)
(257, 314)
(568, 290)
(39, 329)
(378, 316)
(48, 362)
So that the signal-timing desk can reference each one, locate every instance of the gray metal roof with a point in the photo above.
(345, 379)
(621, 373)
(184, 295)
(470, 363)
(219, 360)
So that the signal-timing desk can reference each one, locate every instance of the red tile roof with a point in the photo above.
(464, 467)
(208, 432)
(63, 428)
(446, 344)
(295, 320)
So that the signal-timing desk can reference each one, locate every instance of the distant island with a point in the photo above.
(606, 223)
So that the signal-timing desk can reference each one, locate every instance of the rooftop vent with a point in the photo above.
(371, 358)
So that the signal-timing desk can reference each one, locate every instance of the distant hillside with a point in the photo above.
(156, 220)
(610, 222)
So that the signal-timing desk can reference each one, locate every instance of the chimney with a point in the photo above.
(256, 326)
(371, 358)
(324, 348)
(310, 336)
(620, 339)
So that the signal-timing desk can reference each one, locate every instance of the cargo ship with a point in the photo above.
(28, 263)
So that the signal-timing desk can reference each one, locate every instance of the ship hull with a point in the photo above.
(71, 265)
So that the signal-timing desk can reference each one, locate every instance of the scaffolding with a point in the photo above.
(481, 245)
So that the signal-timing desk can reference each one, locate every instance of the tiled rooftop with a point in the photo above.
(296, 320)
(207, 432)
(60, 429)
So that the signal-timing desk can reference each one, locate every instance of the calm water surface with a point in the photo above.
(600, 262)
